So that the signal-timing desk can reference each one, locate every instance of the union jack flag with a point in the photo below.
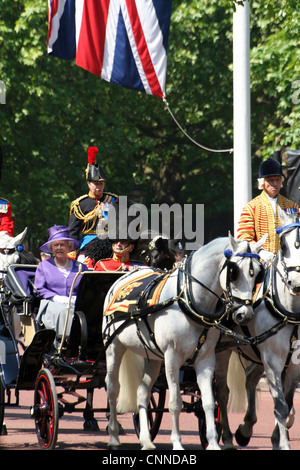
(122, 41)
(61, 29)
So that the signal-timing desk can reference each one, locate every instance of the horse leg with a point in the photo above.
(90, 424)
(172, 367)
(244, 432)
(151, 372)
(205, 369)
(222, 394)
(291, 380)
(113, 360)
(281, 410)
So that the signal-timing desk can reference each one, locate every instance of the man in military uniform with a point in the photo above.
(6, 221)
(88, 213)
(121, 259)
(260, 215)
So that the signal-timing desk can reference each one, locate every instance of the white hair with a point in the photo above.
(260, 183)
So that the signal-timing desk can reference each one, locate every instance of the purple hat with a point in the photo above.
(58, 232)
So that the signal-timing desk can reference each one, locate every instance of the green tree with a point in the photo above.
(54, 110)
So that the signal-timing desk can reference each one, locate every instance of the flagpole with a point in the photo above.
(242, 178)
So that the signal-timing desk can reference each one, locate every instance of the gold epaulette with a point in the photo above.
(77, 201)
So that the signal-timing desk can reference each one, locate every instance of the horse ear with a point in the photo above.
(19, 238)
(232, 241)
(255, 247)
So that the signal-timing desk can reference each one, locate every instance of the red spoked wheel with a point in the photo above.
(45, 410)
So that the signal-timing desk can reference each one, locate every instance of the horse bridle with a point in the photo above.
(230, 301)
(232, 275)
(8, 251)
(287, 269)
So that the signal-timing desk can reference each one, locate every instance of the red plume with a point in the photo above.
(92, 151)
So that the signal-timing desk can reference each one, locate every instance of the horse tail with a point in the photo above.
(236, 381)
(130, 376)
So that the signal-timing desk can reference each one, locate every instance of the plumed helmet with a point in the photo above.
(99, 248)
(93, 171)
(270, 167)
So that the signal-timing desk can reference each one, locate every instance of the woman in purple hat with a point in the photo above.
(54, 278)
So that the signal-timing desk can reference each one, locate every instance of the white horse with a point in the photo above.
(10, 249)
(275, 328)
(12, 252)
(186, 327)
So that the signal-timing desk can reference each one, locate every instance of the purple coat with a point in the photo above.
(49, 281)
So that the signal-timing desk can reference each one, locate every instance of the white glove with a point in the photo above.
(266, 255)
(63, 299)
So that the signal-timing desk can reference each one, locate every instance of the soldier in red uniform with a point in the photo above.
(120, 260)
(6, 221)
(113, 253)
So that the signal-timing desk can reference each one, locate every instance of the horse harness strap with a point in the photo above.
(271, 301)
(140, 311)
(185, 301)
(185, 298)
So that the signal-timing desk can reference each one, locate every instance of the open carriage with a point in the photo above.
(60, 380)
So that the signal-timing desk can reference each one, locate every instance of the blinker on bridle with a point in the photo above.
(230, 265)
(10, 251)
(232, 272)
(280, 231)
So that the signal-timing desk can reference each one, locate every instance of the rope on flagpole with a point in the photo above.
(189, 137)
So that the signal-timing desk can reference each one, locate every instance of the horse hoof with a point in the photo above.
(4, 430)
(91, 425)
(242, 440)
(229, 446)
(113, 447)
(121, 430)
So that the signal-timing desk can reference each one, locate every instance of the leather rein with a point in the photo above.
(185, 301)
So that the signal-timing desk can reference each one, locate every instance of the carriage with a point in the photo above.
(62, 382)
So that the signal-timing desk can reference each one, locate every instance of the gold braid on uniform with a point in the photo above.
(88, 219)
(257, 218)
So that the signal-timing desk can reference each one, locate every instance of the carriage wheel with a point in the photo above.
(2, 405)
(45, 410)
(155, 412)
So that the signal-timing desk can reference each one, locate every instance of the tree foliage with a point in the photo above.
(54, 110)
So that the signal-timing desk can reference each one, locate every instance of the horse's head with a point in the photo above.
(156, 253)
(9, 249)
(240, 272)
(288, 260)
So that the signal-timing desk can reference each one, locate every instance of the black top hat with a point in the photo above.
(94, 172)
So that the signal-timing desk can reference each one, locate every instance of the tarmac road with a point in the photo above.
(21, 430)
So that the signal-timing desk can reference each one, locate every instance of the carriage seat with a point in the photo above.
(19, 287)
(91, 294)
